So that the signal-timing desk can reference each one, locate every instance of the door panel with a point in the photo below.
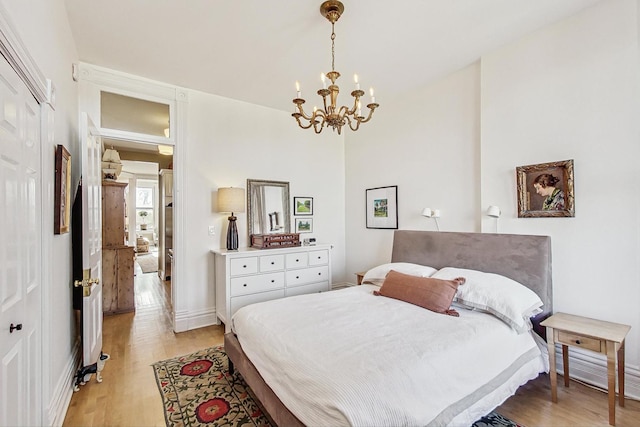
(91, 149)
(20, 252)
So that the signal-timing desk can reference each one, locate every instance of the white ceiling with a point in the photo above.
(255, 50)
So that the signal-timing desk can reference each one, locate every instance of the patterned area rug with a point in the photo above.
(197, 390)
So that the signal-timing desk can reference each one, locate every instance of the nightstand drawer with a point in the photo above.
(589, 343)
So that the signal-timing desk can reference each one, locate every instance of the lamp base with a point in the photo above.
(232, 234)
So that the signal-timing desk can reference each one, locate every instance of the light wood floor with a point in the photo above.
(128, 395)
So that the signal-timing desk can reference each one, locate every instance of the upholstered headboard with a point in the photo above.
(525, 259)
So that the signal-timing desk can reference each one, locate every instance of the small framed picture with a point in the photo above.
(304, 225)
(62, 191)
(382, 207)
(546, 190)
(303, 205)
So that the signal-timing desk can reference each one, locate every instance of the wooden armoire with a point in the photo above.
(117, 257)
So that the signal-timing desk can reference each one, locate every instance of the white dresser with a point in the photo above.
(248, 275)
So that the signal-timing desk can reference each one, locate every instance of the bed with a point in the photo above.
(316, 351)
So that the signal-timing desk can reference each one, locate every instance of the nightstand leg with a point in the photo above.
(611, 375)
(565, 363)
(553, 376)
(621, 375)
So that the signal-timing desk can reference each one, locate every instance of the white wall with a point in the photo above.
(426, 143)
(43, 27)
(571, 91)
(231, 141)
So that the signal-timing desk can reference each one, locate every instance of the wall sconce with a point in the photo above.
(494, 212)
(231, 200)
(432, 213)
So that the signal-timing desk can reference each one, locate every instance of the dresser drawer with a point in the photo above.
(318, 257)
(576, 340)
(271, 263)
(307, 289)
(309, 275)
(240, 266)
(260, 283)
(239, 302)
(297, 260)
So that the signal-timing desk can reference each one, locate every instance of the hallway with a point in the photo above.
(128, 395)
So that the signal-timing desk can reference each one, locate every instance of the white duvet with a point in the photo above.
(348, 357)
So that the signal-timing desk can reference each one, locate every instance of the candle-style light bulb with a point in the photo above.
(298, 88)
(373, 98)
(355, 79)
(324, 80)
(359, 108)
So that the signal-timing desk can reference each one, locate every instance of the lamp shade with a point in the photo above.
(493, 211)
(230, 199)
(111, 164)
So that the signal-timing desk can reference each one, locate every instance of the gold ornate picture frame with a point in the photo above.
(546, 190)
(62, 190)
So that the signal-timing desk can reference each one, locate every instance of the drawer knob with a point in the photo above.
(318, 257)
(244, 266)
(297, 277)
(577, 341)
(297, 260)
(272, 281)
(319, 274)
(245, 285)
(272, 263)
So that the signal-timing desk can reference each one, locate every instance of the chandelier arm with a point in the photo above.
(371, 110)
(300, 123)
(356, 120)
(303, 114)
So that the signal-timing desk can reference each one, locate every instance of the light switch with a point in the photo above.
(212, 230)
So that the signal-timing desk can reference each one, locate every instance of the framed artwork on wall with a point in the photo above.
(546, 190)
(303, 205)
(304, 225)
(382, 207)
(62, 190)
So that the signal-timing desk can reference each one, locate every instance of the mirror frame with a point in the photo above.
(253, 184)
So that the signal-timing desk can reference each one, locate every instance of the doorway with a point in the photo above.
(144, 171)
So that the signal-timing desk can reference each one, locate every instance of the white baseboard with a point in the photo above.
(61, 396)
(592, 369)
(187, 320)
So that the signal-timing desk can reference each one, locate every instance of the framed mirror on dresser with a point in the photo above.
(268, 207)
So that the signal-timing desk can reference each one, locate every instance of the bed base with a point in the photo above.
(274, 409)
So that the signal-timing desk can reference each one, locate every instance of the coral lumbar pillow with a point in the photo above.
(432, 294)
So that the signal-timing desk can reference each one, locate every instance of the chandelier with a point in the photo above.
(332, 115)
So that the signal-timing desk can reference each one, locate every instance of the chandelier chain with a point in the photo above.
(333, 47)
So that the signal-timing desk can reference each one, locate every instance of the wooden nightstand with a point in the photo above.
(590, 334)
(359, 277)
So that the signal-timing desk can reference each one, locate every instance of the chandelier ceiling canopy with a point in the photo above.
(332, 115)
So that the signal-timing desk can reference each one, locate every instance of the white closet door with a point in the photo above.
(20, 252)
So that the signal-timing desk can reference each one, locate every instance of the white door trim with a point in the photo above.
(92, 80)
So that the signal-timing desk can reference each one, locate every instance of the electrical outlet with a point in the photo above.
(212, 230)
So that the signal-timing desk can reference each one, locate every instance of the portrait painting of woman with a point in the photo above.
(545, 190)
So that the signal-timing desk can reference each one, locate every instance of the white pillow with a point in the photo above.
(376, 275)
(508, 300)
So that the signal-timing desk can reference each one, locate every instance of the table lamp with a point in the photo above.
(231, 200)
